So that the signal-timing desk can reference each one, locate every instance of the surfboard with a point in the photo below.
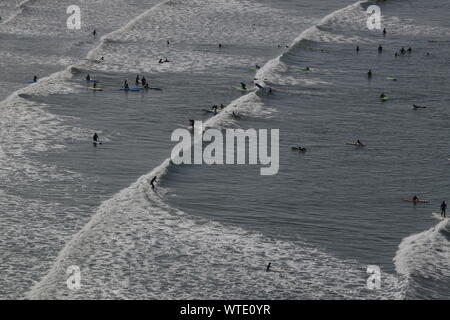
(438, 216)
(304, 69)
(239, 88)
(281, 271)
(385, 99)
(97, 142)
(129, 89)
(96, 89)
(354, 144)
(92, 80)
(209, 111)
(261, 87)
(391, 78)
(415, 201)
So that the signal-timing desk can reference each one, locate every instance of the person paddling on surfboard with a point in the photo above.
(153, 182)
(383, 96)
(268, 267)
(359, 143)
(35, 78)
(443, 208)
(243, 86)
(125, 85)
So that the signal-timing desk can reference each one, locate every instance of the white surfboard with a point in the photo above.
(438, 216)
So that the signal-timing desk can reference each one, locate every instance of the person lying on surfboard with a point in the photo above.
(243, 86)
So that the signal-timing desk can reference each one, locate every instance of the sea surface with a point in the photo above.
(208, 231)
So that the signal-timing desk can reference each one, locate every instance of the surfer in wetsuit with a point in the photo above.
(137, 80)
(88, 77)
(94, 33)
(382, 96)
(268, 267)
(443, 208)
(369, 74)
(415, 198)
(380, 48)
(359, 143)
(166, 60)
(35, 78)
(125, 84)
(384, 32)
(153, 182)
(357, 49)
(214, 108)
(144, 81)
(243, 86)
(95, 138)
(94, 85)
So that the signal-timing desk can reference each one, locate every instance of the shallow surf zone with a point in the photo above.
(137, 247)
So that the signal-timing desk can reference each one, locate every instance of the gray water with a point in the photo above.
(209, 231)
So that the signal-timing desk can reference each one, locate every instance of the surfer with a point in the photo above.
(88, 77)
(192, 122)
(168, 42)
(235, 115)
(102, 58)
(443, 208)
(403, 51)
(220, 45)
(95, 137)
(396, 54)
(357, 49)
(380, 48)
(257, 67)
(137, 80)
(166, 60)
(382, 96)
(160, 61)
(153, 182)
(415, 106)
(415, 198)
(125, 85)
(222, 106)
(359, 143)
(35, 78)
(94, 33)
(384, 32)
(409, 50)
(144, 81)
(268, 267)
(369, 74)
(243, 86)
(214, 108)
(94, 85)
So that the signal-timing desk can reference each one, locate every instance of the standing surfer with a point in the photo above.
(443, 208)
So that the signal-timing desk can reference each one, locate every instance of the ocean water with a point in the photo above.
(208, 231)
